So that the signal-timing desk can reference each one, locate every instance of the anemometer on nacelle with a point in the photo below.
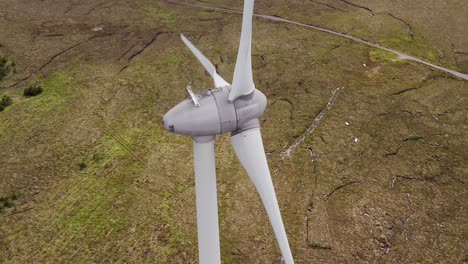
(223, 109)
(192, 95)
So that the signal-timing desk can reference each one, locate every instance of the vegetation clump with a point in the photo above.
(6, 67)
(5, 101)
(8, 201)
(82, 165)
(33, 90)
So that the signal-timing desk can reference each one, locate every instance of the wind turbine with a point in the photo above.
(227, 108)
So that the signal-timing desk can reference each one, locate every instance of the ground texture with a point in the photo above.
(87, 173)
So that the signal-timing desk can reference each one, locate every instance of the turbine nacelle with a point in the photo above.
(215, 113)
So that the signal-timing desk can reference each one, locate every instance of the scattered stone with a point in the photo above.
(97, 28)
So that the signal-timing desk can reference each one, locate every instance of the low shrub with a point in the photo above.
(6, 101)
(8, 201)
(82, 165)
(33, 90)
(6, 67)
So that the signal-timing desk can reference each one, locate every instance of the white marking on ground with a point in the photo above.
(313, 126)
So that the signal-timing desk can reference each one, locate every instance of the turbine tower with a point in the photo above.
(223, 109)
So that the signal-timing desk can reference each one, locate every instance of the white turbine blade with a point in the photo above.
(218, 80)
(242, 82)
(206, 201)
(249, 149)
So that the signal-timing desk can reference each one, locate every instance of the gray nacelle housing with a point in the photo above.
(215, 115)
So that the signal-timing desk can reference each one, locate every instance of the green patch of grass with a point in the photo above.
(382, 55)
(92, 212)
(96, 206)
(455, 68)
(227, 248)
(156, 17)
(166, 212)
(38, 112)
(92, 218)
(56, 88)
(107, 175)
(395, 35)
(102, 202)
(419, 46)
(176, 237)
(121, 143)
